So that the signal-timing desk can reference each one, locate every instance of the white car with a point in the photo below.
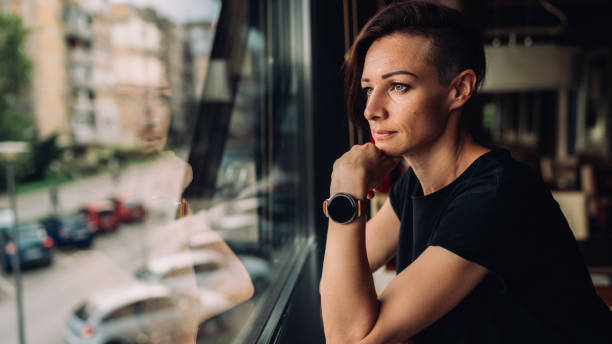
(137, 313)
(206, 275)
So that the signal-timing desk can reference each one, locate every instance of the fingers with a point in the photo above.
(385, 167)
(361, 169)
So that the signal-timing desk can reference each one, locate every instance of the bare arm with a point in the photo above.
(421, 294)
(346, 275)
(349, 302)
(426, 290)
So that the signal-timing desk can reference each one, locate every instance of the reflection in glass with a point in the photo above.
(113, 98)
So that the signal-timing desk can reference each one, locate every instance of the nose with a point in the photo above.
(375, 106)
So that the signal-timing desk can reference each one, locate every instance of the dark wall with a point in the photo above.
(330, 125)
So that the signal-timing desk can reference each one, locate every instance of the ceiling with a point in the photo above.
(585, 23)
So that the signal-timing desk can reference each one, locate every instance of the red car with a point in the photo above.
(128, 209)
(101, 215)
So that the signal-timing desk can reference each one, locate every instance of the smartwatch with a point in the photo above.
(343, 208)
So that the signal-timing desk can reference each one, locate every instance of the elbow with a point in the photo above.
(343, 324)
(347, 331)
(344, 338)
(343, 331)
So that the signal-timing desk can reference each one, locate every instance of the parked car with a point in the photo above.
(192, 273)
(73, 230)
(34, 246)
(101, 216)
(128, 209)
(256, 265)
(216, 328)
(6, 218)
(136, 313)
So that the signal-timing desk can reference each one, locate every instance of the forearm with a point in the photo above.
(349, 302)
(348, 299)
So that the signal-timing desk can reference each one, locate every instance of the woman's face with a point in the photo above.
(157, 119)
(407, 107)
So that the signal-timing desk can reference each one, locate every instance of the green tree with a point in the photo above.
(16, 123)
(15, 68)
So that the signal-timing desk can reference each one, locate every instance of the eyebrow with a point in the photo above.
(390, 74)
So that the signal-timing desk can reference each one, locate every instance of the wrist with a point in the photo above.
(349, 180)
(358, 193)
(343, 208)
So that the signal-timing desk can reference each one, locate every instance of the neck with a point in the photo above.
(444, 161)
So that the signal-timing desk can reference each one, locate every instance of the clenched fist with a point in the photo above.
(360, 170)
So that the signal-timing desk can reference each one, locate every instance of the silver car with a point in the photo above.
(137, 313)
(203, 274)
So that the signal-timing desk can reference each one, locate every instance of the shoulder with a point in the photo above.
(497, 176)
(521, 188)
(476, 213)
(492, 199)
(483, 179)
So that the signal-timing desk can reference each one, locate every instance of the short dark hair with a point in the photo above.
(456, 45)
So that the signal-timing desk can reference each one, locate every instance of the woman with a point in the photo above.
(484, 255)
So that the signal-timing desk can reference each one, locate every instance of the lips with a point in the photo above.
(152, 138)
(382, 134)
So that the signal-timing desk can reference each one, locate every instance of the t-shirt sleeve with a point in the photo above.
(474, 226)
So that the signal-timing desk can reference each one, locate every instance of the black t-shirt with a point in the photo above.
(499, 214)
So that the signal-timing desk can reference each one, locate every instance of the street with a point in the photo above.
(51, 293)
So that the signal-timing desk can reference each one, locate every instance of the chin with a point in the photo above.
(389, 150)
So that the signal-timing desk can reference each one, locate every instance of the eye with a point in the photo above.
(367, 91)
(399, 88)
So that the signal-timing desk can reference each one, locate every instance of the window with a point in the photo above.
(195, 110)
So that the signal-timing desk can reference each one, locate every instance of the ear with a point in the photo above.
(461, 89)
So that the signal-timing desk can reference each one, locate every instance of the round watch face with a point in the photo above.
(342, 208)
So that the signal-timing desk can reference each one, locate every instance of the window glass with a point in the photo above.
(205, 268)
(178, 272)
(155, 305)
(251, 184)
(120, 313)
(84, 312)
(175, 130)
